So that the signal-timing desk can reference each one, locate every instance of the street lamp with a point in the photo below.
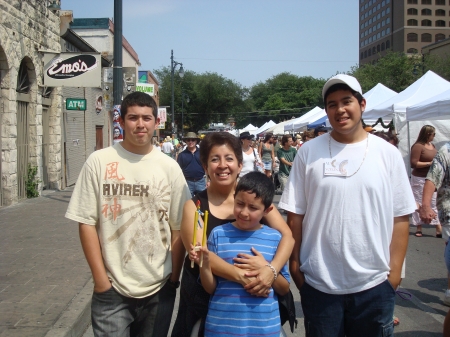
(183, 95)
(173, 64)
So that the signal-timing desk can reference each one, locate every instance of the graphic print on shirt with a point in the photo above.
(129, 207)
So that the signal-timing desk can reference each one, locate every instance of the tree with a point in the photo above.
(212, 97)
(284, 96)
(394, 70)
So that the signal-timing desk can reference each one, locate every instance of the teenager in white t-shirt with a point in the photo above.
(348, 199)
(128, 201)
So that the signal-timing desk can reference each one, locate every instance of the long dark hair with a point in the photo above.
(267, 137)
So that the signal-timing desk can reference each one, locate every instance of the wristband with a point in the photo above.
(275, 274)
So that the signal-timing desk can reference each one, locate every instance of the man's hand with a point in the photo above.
(102, 286)
(426, 214)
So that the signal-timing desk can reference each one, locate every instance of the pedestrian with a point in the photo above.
(221, 156)
(251, 161)
(267, 153)
(286, 155)
(348, 212)
(128, 201)
(245, 315)
(422, 154)
(438, 178)
(167, 147)
(189, 161)
(307, 136)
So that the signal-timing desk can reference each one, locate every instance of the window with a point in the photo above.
(440, 12)
(383, 3)
(412, 51)
(374, 50)
(382, 47)
(439, 37)
(378, 16)
(411, 37)
(362, 56)
(412, 11)
(378, 25)
(440, 23)
(426, 2)
(388, 10)
(425, 37)
(378, 48)
(370, 21)
(365, 54)
(378, 7)
(383, 13)
(388, 44)
(378, 35)
(370, 52)
(426, 23)
(440, 2)
(388, 20)
(426, 11)
(383, 33)
(388, 30)
(370, 30)
(370, 11)
(388, 1)
(412, 2)
(383, 23)
(412, 22)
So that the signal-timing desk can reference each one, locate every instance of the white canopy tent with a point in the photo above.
(434, 108)
(248, 128)
(263, 128)
(425, 87)
(278, 129)
(310, 116)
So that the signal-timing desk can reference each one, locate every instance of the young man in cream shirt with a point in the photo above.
(128, 201)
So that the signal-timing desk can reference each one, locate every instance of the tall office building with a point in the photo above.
(400, 26)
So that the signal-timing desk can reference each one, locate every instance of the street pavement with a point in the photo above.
(46, 285)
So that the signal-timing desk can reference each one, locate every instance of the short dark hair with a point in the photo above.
(258, 183)
(216, 139)
(342, 86)
(140, 99)
(285, 139)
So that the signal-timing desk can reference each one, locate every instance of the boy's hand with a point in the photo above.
(250, 262)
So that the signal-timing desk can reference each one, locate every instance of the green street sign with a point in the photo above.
(75, 104)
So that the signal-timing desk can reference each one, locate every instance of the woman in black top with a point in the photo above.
(221, 156)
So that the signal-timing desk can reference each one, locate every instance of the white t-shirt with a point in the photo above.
(167, 147)
(134, 201)
(348, 223)
(248, 162)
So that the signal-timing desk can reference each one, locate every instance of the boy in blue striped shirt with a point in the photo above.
(232, 310)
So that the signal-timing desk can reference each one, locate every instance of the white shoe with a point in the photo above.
(447, 297)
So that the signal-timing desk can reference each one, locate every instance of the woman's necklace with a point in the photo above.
(365, 153)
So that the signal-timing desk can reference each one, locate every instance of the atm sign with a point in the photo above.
(75, 104)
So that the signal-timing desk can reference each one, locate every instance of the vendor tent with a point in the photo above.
(425, 87)
(249, 127)
(321, 122)
(434, 108)
(263, 128)
(377, 95)
(298, 123)
(278, 129)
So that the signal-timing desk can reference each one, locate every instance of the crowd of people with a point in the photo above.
(146, 219)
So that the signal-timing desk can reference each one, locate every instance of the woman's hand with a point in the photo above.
(260, 275)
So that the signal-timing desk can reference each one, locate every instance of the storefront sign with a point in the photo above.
(162, 114)
(72, 70)
(146, 87)
(75, 104)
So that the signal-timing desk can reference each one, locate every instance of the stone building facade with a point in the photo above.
(30, 113)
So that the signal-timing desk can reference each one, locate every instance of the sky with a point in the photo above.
(247, 41)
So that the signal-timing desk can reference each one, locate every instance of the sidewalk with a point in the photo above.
(45, 282)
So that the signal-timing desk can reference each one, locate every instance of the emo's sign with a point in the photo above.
(72, 70)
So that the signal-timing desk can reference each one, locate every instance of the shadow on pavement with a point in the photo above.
(418, 334)
(435, 284)
(426, 299)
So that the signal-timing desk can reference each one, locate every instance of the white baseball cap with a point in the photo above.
(342, 78)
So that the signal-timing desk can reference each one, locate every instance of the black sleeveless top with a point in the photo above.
(212, 223)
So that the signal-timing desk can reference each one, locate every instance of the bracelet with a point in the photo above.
(275, 274)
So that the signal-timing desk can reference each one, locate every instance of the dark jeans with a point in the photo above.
(196, 186)
(366, 313)
(114, 315)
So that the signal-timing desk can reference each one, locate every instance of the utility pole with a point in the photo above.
(117, 67)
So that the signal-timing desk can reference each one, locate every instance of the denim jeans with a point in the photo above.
(366, 313)
(114, 315)
(447, 256)
(196, 186)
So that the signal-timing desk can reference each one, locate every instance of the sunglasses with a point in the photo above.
(191, 139)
